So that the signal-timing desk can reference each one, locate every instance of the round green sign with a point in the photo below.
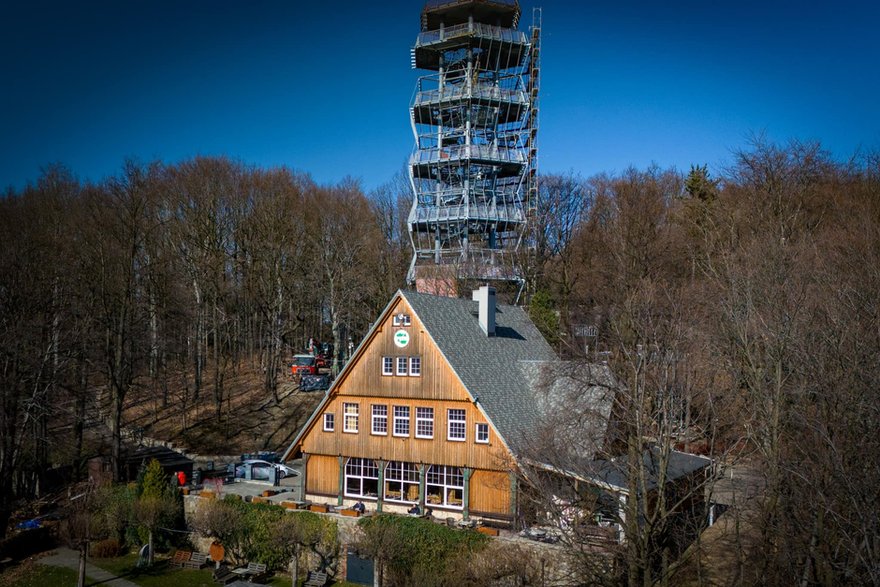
(401, 338)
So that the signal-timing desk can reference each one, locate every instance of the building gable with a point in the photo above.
(400, 334)
(417, 369)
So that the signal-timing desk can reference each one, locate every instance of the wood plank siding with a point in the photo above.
(322, 475)
(437, 380)
(490, 492)
(437, 451)
(431, 384)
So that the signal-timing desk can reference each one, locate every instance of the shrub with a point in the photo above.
(250, 531)
(416, 551)
(107, 548)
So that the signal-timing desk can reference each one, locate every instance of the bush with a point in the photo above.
(250, 532)
(416, 551)
(108, 548)
(112, 511)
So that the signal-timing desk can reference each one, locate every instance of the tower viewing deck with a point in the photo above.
(474, 118)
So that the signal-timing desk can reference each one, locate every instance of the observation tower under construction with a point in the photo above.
(475, 162)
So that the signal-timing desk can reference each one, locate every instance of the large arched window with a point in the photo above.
(361, 478)
(402, 482)
(444, 486)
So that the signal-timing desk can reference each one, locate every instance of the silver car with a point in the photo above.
(283, 470)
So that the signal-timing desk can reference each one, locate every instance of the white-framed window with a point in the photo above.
(482, 436)
(380, 420)
(401, 420)
(329, 422)
(387, 365)
(402, 482)
(456, 424)
(444, 486)
(415, 366)
(401, 320)
(350, 417)
(401, 365)
(361, 478)
(424, 422)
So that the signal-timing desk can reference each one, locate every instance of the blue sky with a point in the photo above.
(325, 87)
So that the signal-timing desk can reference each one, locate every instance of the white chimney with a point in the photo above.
(485, 298)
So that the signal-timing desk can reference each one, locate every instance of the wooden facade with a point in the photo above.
(443, 471)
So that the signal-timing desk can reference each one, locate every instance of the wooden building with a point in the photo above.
(431, 410)
(453, 404)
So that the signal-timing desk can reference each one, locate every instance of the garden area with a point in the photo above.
(137, 535)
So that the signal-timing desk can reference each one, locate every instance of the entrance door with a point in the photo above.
(359, 570)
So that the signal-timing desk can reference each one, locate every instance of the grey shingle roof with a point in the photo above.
(574, 400)
(488, 366)
(615, 471)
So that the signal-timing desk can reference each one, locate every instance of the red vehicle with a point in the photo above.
(304, 365)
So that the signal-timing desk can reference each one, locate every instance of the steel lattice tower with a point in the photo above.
(475, 121)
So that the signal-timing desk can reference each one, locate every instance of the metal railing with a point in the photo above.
(488, 212)
(452, 153)
(480, 92)
(478, 29)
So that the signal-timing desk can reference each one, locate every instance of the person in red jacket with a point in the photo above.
(181, 478)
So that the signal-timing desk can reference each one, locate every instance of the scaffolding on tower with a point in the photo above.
(475, 120)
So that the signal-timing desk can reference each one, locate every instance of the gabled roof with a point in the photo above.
(505, 374)
(488, 366)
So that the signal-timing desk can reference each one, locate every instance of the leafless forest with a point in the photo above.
(740, 310)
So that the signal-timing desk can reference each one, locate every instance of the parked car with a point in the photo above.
(263, 455)
(314, 383)
(304, 365)
(283, 470)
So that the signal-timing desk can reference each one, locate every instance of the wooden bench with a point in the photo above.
(180, 557)
(224, 575)
(198, 560)
(250, 572)
(256, 568)
(315, 579)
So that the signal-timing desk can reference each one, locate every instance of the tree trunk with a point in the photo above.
(81, 577)
(294, 566)
(200, 327)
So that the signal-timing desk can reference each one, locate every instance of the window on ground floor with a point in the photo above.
(361, 478)
(444, 486)
(402, 482)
